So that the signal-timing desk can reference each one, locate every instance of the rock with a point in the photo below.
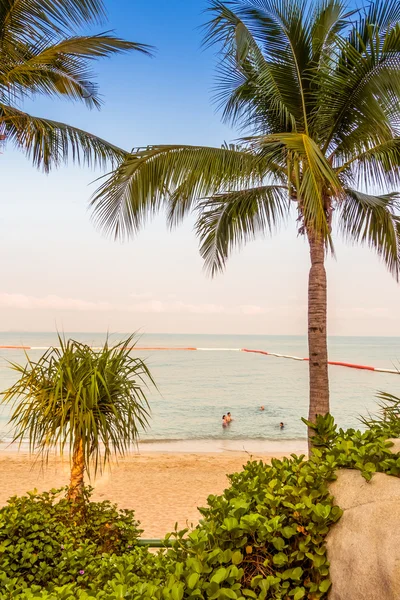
(364, 546)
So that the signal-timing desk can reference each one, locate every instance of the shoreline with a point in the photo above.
(193, 446)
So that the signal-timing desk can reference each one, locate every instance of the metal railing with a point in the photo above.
(154, 543)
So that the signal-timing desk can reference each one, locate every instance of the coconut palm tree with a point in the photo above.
(91, 402)
(315, 89)
(41, 53)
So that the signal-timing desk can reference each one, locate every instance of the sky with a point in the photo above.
(58, 271)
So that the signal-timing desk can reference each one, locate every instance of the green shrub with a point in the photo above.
(46, 540)
(263, 538)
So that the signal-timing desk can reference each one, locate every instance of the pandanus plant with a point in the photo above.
(316, 88)
(91, 403)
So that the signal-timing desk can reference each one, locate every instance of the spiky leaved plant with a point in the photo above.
(91, 402)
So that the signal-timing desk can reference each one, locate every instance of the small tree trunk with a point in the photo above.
(317, 333)
(77, 471)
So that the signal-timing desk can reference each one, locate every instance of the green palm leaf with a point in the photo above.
(359, 83)
(50, 143)
(374, 221)
(319, 179)
(229, 220)
(378, 165)
(62, 68)
(27, 19)
(175, 176)
(42, 52)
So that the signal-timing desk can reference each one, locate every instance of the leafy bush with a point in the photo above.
(263, 538)
(45, 539)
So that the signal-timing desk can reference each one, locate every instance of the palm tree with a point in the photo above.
(315, 89)
(42, 53)
(90, 401)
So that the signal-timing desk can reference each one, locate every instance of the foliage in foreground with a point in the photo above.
(263, 538)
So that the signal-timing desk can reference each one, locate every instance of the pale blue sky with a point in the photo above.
(58, 271)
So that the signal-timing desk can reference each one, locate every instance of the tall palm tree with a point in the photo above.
(90, 401)
(316, 90)
(42, 53)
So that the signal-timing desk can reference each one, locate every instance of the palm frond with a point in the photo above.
(62, 68)
(26, 20)
(359, 84)
(330, 18)
(231, 219)
(50, 143)
(375, 221)
(318, 179)
(172, 176)
(378, 165)
(265, 47)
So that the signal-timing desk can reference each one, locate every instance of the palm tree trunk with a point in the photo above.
(317, 333)
(77, 471)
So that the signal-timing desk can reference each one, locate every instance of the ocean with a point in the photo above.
(196, 388)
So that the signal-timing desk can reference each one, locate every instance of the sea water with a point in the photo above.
(196, 388)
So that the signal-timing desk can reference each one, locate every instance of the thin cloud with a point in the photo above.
(141, 303)
(49, 302)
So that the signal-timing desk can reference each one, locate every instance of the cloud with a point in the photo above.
(141, 296)
(49, 302)
(251, 309)
(141, 303)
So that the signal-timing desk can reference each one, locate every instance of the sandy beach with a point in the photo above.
(162, 488)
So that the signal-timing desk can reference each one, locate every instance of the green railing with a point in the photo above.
(155, 543)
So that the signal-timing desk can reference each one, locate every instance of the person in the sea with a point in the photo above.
(281, 425)
(224, 421)
(261, 408)
(228, 417)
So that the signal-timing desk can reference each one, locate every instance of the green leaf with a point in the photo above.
(279, 559)
(227, 593)
(237, 557)
(230, 523)
(325, 585)
(278, 543)
(177, 592)
(193, 580)
(299, 593)
(220, 575)
(288, 532)
(297, 572)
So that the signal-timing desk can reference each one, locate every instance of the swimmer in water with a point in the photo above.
(281, 425)
(228, 417)
(224, 421)
(261, 408)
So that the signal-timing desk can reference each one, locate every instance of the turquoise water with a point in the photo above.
(196, 388)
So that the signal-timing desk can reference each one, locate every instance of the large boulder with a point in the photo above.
(364, 546)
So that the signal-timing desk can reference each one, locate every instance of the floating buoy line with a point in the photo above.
(248, 350)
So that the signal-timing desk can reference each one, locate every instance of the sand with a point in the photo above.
(162, 488)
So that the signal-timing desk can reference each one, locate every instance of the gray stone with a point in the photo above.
(364, 546)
